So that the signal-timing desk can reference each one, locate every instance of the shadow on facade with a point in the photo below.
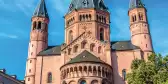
(118, 79)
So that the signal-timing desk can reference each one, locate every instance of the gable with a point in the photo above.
(85, 56)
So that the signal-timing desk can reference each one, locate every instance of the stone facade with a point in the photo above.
(87, 56)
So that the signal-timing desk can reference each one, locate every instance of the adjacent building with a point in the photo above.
(9, 79)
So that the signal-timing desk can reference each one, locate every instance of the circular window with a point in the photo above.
(83, 82)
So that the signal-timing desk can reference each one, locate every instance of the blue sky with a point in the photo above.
(15, 23)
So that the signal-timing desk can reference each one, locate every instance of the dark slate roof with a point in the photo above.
(136, 4)
(41, 10)
(85, 56)
(7, 79)
(123, 45)
(82, 4)
(51, 50)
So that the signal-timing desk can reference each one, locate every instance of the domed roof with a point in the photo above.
(85, 4)
(136, 4)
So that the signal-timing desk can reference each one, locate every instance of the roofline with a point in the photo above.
(86, 9)
(121, 41)
(40, 17)
(9, 77)
(85, 62)
(130, 9)
(48, 55)
(113, 50)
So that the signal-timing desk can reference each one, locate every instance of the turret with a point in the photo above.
(139, 27)
(38, 40)
(87, 16)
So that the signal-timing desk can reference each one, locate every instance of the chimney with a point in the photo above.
(3, 70)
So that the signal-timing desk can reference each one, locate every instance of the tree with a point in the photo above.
(153, 71)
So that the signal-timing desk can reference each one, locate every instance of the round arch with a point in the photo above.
(72, 82)
(94, 82)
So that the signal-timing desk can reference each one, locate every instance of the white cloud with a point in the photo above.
(4, 35)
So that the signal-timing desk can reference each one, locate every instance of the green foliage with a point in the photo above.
(153, 71)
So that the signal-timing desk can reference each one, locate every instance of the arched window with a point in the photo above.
(83, 44)
(65, 82)
(145, 36)
(94, 71)
(70, 36)
(85, 68)
(104, 20)
(124, 74)
(34, 25)
(87, 16)
(140, 16)
(69, 51)
(83, 82)
(97, 17)
(49, 79)
(101, 34)
(94, 82)
(104, 81)
(80, 68)
(101, 19)
(92, 46)
(99, 49)
(90, 17)
(28, 79)
(83, 17)
(80, 17)
(134, 18)
(39, 25)
(72, 82)
(76, 48)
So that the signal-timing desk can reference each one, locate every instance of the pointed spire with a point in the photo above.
(136, 4)
(41, 10)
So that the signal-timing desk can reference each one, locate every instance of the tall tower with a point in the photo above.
(87, 16)
(139, 27)
(90, 17)
(38, 40)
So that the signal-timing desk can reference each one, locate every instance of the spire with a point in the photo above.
(136, 4)
(41, 10)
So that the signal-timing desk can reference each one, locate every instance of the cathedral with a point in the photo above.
(87, 55)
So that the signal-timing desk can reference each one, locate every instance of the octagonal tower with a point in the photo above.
(38, 40)
(139, 27)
